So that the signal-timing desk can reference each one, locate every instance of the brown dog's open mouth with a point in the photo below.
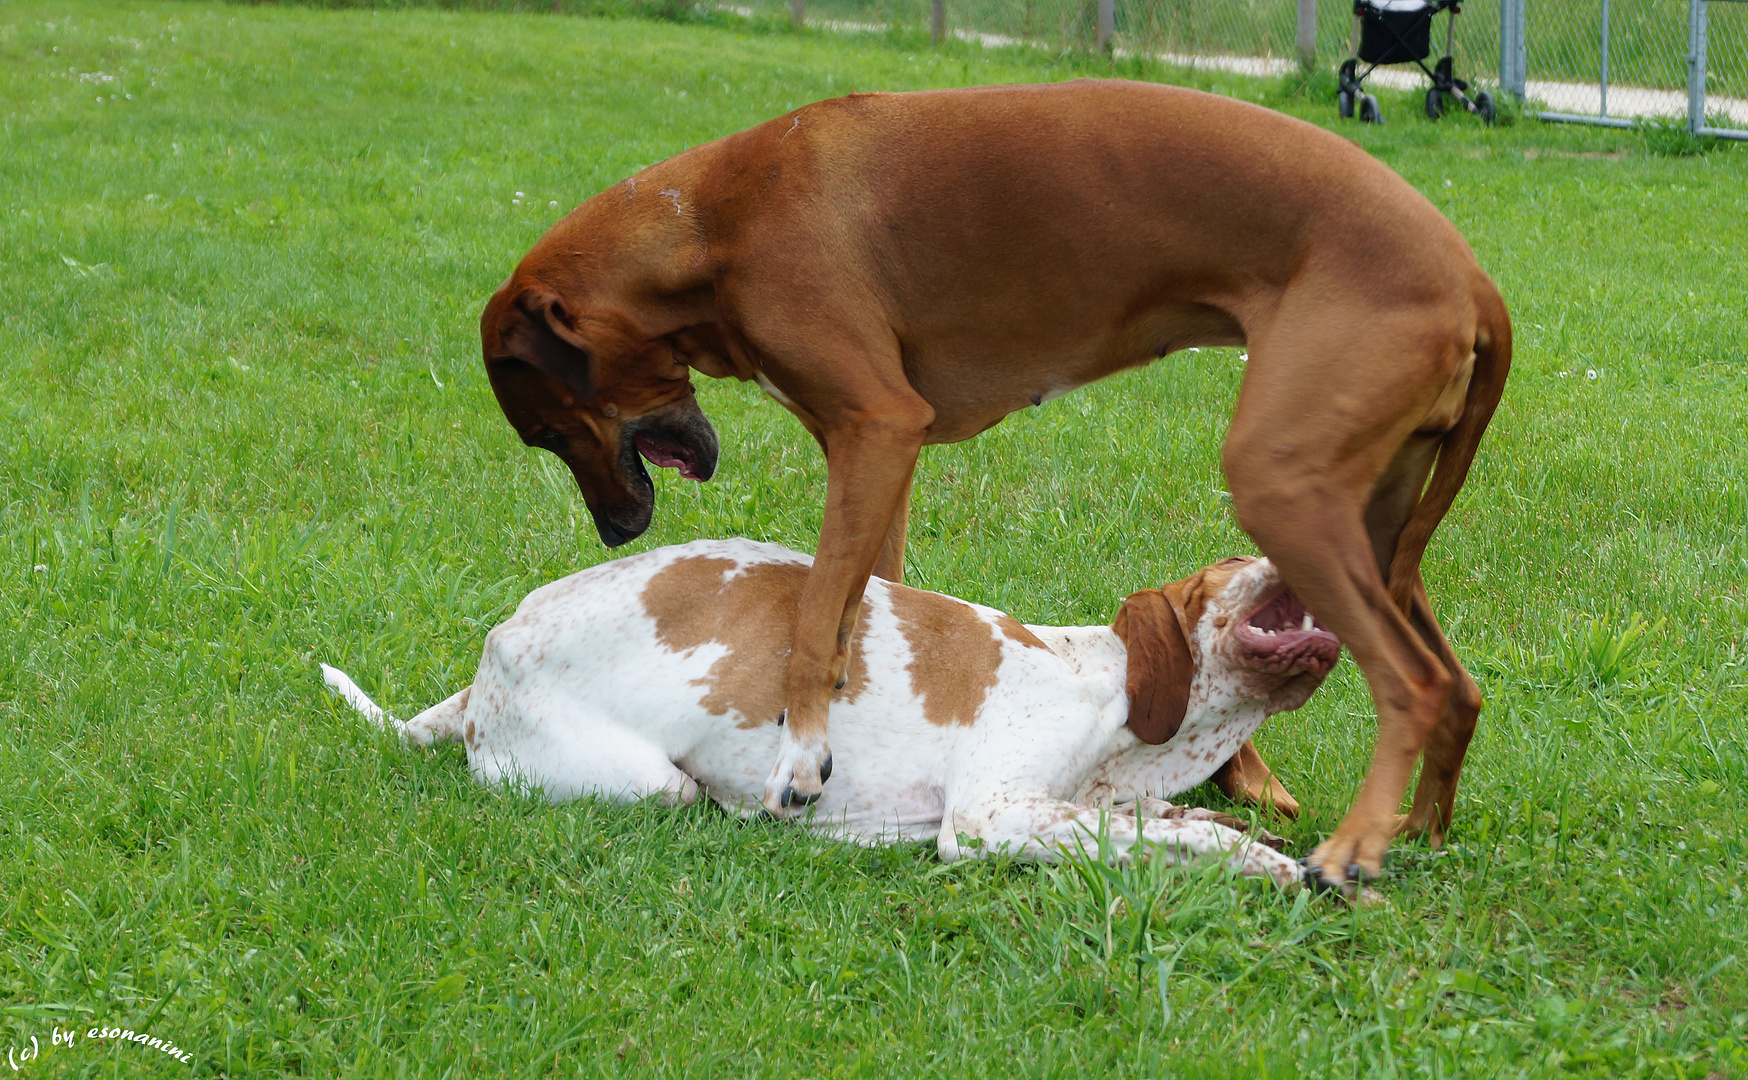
(669, 455)
(1283, 636)
(678, 437)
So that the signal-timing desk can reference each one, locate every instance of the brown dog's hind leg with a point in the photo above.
(1318, 425)
(1331, 567)
(1448, 743)
(1393, 501)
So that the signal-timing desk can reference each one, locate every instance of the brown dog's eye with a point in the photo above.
(550, 440)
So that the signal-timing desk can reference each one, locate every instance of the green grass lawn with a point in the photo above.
(246, 428)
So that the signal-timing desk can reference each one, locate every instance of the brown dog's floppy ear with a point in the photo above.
(533, 330)
(1151, 624)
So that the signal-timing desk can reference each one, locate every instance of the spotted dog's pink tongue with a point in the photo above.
(1282, 635)
(667, 455)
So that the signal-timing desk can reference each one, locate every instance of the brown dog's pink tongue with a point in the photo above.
(663, 454)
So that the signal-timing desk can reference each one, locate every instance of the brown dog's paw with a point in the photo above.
(1347, 859)
(1408, 829)
(799, 777)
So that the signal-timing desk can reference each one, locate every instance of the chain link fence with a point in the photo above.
(1615, 62)
(1620, 62)
(1259, 37)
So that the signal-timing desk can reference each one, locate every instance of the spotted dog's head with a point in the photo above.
(1230, 628)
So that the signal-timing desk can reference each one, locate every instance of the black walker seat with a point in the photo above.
(1400, 32)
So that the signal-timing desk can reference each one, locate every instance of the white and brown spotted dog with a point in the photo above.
(662, 675)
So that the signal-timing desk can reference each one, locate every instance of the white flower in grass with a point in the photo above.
(1590, 373)
(40, 568)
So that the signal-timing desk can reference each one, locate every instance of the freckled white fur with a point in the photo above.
(576, 694)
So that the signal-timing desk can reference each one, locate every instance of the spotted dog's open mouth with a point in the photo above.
(1281, 635)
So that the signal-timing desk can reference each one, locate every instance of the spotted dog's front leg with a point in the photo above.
(1149, 807)
(1041, 828)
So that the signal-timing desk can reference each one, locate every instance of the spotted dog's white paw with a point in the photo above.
(798, 779)
(1255, 857)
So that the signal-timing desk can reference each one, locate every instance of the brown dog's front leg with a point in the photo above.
(890, 565)
(869, 472)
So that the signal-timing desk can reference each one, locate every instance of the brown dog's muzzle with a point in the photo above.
(605, 449)
(621, 504)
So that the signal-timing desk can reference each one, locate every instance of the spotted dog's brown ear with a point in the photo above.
(532, 329)
(1154, 632)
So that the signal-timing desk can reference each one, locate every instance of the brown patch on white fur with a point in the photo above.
(1191, 595)
(952, 682)
(753, 614)
(1016, 631)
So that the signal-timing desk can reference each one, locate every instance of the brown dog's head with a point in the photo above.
(1232, 628)
(588, 386)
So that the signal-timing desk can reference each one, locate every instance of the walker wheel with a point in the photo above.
(1344, 104)
(1435, 104)
(1484, 106)
(1369, 112)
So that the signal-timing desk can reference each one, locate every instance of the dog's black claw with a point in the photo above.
(792, 799)
(825, 769)
(841, 683)
(1316, 881)
(1357, 873)
(782, 717)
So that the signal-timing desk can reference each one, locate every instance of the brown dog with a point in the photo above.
(901, 269)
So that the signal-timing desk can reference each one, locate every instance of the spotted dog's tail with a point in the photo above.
(440, 723)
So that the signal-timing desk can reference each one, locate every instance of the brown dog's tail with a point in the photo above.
(1456, 450)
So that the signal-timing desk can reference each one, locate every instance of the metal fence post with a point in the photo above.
(797, 14)
(1513, 48)
(938, 21)
(1602, 81)
(1307, 36)
(1696, 65)
(1107, 24)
